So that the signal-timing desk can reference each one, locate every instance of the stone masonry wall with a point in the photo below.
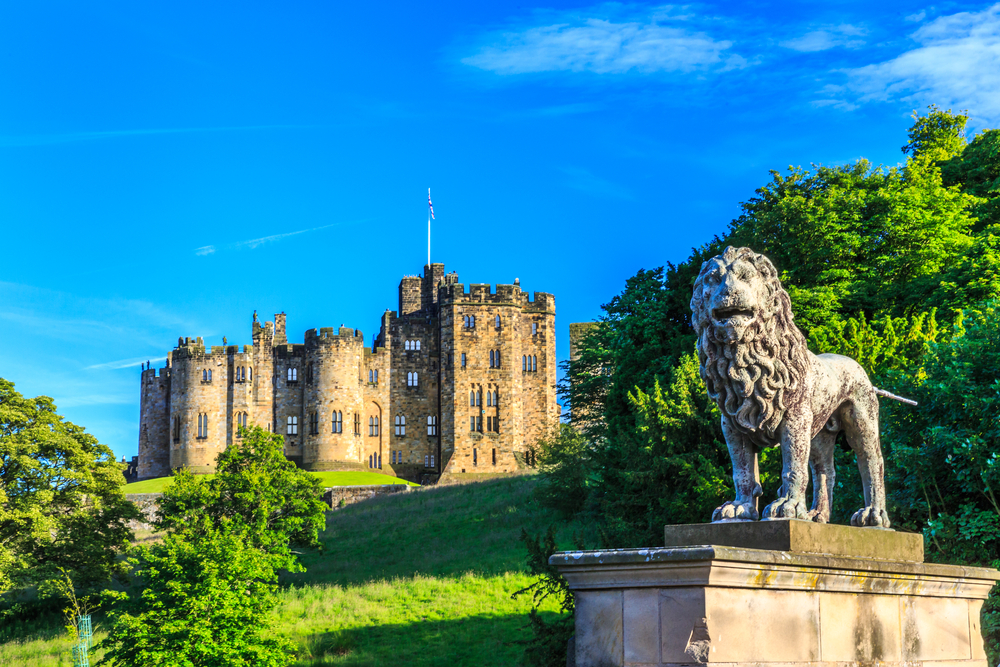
(154, 424)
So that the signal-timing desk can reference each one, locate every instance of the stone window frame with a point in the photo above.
(373, 426)
(432, 461)
(372, 376)
(426, 459)
(411, 345)
(534, 328)
(337, 421)
(432, 424)
(412, 379)
(469, 323)
(496, 324)
(202, 425)
(292, 425)
(357, 423)
(293, 374)
(239, 419)
(206, 375)
(177, 428)
(475, 457)
(400, 425)
(313, 423)
(463, 360)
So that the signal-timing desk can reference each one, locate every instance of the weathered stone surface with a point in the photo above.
(383, 394)
(773, 392)
(802, 537)
(730, 606)
(334, 495)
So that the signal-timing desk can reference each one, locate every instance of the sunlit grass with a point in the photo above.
(420, 578)
(327, 478)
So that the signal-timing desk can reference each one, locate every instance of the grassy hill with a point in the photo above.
(329, 478)
(418, 579)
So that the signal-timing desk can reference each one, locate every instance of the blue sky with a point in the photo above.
(166, 169)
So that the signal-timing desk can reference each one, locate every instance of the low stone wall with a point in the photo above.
(146, 502)
(339, 496)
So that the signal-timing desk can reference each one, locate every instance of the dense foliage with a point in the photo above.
(61, 499)
(210, 586)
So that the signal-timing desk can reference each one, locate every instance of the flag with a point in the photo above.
(429, 204)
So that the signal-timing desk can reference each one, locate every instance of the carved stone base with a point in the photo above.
(735, 606)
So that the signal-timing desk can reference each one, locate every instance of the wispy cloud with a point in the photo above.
(826, 38)
(659, 40)
(71, 137)
(124, 363)
(956, 64)
(251, 244)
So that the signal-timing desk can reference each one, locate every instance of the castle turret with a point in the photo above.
(198, 405)
(154, 424)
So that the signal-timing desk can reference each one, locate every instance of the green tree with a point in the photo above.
(207, 597)
(276, 504)
(977, 171)
(62, 504)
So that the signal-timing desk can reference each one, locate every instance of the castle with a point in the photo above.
(455, 382)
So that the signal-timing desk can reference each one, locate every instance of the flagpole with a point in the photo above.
(428, 227)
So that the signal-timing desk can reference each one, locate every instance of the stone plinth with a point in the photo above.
(692, 605)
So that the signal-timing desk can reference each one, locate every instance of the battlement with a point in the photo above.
(330, 336)
(150, 374)
(289, 350)
(506, 295)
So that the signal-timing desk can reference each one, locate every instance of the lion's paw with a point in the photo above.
(787, 508)
(735, 511)
(869, 516)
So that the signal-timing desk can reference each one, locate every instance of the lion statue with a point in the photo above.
(773, 391)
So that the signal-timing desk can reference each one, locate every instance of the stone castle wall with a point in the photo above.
(410, 382)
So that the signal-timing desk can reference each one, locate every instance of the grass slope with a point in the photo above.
(329, 478)
(420, 578)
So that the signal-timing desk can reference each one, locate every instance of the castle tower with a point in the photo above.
(261, 374)
(154, 423)
(198, 405)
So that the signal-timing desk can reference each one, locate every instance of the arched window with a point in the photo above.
(370, 460)
(475, 456)
(524, 363)
(202, 425)
(406, 345)
(251, 373)
(489, 399)
(425, 461)
(400, 425)
(472, 398)
(496, 398)
(338, 421)
(534, 363)
(418, 344)
(432, 460)
(293, 375)
(498, 322)
(479, 398)
(534, 328)
(494, 457)
(491, 359)
(411, 379)
(432, 421)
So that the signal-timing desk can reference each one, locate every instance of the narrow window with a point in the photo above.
(494, 457)
(491, 358)
(432, 460)
(400, 425)
(498, 358)
(293, 374)
(463, 360)
(425, 461)
(524, 363)
(472, 423)
(418, 344)
(479, 424)
(357, 424)
(489, 399)
(534, 363)
(496, 398)
(314, 423)
(376, 377)
(534, 328)
(479, 398)
(370, 460)
(292, 426)
(392, 458)
(489, 424)
(475, 457)
(406, 345)
(379, 459)
(371, 426)
(338, 422)
(472, 398)
(497, 322)
(432, 425)
(251, 373)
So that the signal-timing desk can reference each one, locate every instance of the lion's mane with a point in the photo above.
(752, 379)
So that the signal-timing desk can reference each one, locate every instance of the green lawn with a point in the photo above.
(416, 579)
(329, 478)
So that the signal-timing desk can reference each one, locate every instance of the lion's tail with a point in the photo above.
(889, 394)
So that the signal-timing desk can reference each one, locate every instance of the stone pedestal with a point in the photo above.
(728, 604)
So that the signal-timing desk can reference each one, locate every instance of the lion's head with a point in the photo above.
(752, 354)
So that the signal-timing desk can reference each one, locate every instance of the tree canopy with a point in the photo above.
(62, 503)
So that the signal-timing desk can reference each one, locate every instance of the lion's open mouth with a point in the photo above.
(725, 314)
